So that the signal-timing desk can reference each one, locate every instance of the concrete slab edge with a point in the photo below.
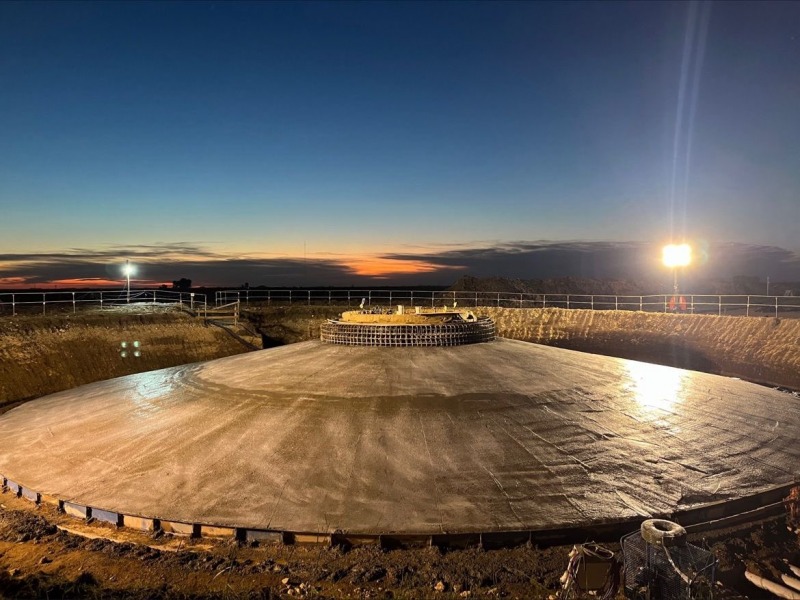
(727, 513)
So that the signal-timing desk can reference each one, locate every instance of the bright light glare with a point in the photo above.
(128, 269)
(656, 387)
(676, 255)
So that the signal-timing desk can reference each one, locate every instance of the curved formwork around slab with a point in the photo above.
(322, 440)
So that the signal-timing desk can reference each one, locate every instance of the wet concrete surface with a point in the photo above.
(498, 436)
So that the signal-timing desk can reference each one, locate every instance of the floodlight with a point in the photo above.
(676, 255)
(128, 270)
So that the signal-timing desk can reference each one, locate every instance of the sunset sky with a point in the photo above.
(365, 143)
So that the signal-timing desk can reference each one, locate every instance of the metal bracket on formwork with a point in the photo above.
(29, 494)
(107, 516)
(262, 536)
(308, 538)
(13, 487)
(216, 531)
(140, 523)
(77, 510)
(178, 528)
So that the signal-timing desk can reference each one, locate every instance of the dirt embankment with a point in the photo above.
(761, 349)
(42, 355)
(281, 325)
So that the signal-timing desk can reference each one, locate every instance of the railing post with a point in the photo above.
(101, 301)
(154, 296)
(412, 298)
(369, 294)
(44, 303)
(13, 306)
(747, 311)
(665, 304)
(691, 300)
(544, 300)
(591, 300)
(73, 303)
(498, 299)
(290, 297)
(390, 297)
(776, 307)
(329, 297)
(348, 297)
(616, 302)
(640, 303)
(309, 297)
(719, 310)
(520, 300)
(567, 300)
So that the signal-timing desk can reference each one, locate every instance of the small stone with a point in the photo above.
(44, 560)
(440, 586)
(13, 572)
(285, 581)
(465, 594)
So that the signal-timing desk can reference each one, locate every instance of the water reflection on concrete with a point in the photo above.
(149, 390)
(656, 387)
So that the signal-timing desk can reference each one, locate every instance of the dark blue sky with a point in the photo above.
(378, 137)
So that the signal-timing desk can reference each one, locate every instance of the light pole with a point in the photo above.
(128, 269)
(675, 256)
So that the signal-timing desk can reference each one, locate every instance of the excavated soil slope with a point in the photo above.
(761, 349)
(42, 355)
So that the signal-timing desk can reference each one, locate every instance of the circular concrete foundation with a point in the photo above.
(501, 438)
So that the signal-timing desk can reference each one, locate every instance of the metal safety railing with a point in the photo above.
(14, 303)
(47, 302)
(709, 304)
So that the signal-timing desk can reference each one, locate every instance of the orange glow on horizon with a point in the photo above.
(383, 267)
(12, 282)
